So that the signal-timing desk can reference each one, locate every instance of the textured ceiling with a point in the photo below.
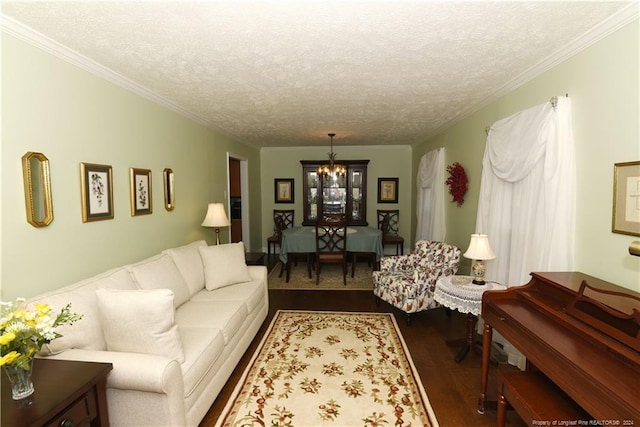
(286, 73)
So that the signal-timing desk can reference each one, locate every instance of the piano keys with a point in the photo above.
(581, 332)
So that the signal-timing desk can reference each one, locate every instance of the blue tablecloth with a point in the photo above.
(303, 240)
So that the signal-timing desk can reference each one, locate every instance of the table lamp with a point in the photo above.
(216, 217)
(479, 251)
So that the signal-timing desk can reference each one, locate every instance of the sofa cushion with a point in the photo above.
(87, 332)
(202, 348)
(224, 265)
(140, 321)
(187, 259)
(251, 293)
(227, 317)
(160, 272)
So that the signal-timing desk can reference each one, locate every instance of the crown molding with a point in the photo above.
(610, 25)
(39, 40)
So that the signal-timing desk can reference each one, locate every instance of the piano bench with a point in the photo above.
(535, 398)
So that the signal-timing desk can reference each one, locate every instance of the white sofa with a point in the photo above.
(169, 364)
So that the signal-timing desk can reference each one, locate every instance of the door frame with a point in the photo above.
(244, 196)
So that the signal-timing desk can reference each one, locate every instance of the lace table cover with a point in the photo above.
(458, 293)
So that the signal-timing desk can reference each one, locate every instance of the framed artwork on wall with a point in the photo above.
(141, 197)
(97, 192)
(283, 190)
(626, 198)
(169, 189)
(387, 190)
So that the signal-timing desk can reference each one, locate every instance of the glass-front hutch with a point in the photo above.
(345, 193)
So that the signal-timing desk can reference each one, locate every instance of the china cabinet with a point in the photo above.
(346, 193)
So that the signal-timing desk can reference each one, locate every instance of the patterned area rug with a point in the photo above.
(330, 278)
(330, 369)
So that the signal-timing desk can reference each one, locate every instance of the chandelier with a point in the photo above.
(332, 169)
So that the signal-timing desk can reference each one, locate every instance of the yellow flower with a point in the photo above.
(42, 308)
(8, 358)
(24, 329)
(7, 337)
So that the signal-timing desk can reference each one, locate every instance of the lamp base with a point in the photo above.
(477, 271)
(217, 236)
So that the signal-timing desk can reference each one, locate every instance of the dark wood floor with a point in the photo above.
(452, 387)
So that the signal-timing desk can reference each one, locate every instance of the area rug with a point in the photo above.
(316, 368)
(330, 278)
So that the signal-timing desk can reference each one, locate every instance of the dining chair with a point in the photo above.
(388, 222)
(370, 257)
(331, 246)
(282, 219)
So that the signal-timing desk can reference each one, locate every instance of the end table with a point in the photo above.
(459, 293)
(66, 393)
(254, 258)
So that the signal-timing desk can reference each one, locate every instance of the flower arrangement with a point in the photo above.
(457, 182)
(25, 329)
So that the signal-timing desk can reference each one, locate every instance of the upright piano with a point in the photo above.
(581, 332)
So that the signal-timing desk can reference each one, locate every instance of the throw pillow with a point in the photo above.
(224, 265)
(87, 332)
(140, 321)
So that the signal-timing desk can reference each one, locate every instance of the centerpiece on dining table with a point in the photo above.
(24, 329)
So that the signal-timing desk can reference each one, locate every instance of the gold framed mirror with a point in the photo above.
(169, 190)
(37, 189)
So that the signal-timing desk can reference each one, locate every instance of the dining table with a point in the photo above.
(303, 240)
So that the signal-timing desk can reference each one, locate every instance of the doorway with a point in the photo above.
(238, 199)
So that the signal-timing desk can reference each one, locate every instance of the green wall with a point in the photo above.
(72, 116)
(384, 162)
(602, 82)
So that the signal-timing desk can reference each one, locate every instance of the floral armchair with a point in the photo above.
(409, 281)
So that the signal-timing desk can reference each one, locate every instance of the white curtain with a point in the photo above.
(430, 197)
(527, 193)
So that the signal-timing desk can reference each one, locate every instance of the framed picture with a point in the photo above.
(387, 190)
(626, 198)
(97, 192)
(169, 189)
(283, 190)
(141, 197)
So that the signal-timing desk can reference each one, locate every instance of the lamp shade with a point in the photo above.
(479, 248)
(216, 216)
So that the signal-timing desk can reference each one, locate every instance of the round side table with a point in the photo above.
(459, 293)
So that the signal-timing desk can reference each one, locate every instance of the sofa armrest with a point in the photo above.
(258, 272)
(133, 371)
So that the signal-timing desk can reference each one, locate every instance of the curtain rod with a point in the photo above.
(554, 101)
(554, 104)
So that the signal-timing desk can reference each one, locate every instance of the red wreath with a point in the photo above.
(457, 182)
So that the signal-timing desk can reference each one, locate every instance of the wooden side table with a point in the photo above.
(66, 393)
(254, 258)
(459, 293)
